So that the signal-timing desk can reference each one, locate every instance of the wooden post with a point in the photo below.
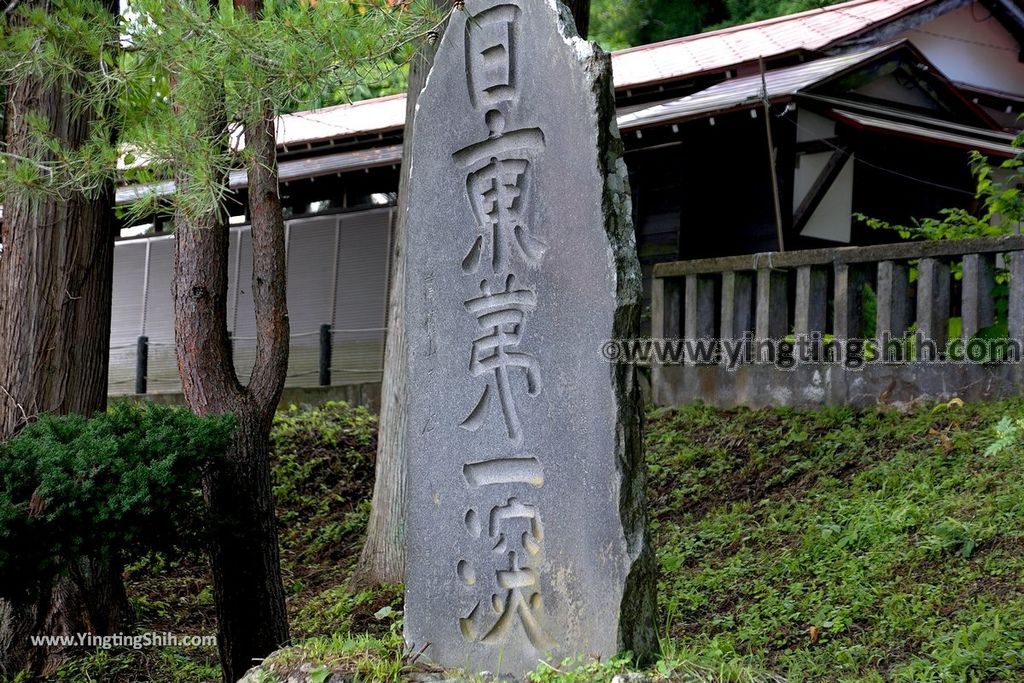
(771, 158)
(893, 304)
(977, 303)
(142, 365)
(666, 308)
(325, 355)
(737, 313)
(932, 305)
(849, 301)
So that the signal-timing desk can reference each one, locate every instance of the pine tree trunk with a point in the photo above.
(252, 620)
(244, 556)
(382, 560)
(56, 273)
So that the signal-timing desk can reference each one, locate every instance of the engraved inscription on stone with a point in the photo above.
(518, 549)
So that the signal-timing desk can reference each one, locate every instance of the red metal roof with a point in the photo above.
(719, 50)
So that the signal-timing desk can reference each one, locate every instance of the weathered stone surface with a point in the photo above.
(526, 536)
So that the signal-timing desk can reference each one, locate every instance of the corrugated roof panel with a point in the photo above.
(295, 169)
(748, 89)
(811, 30)
(366, 116)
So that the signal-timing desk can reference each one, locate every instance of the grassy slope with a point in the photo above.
(842, 546)
(819, 546)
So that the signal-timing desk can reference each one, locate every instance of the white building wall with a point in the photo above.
(970, 46)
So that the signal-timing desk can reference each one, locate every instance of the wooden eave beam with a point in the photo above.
(820, 188)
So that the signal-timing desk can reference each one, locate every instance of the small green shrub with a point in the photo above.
(114, 486)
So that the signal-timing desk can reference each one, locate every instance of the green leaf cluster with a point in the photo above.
(114, 486)
(170, 86)
(618, 25)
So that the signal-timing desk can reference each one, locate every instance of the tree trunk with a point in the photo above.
(56, 271)
(382, 560)
(244, 556)
(581, 13)
(19, 621)
(90, 599)
(252, 620)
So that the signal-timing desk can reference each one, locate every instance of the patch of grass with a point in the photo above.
(580, 671)
(338, 610)
(323, 481)
(117, 666)
(357, 658)
(840, 546)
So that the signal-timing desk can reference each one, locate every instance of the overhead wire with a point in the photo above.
(875, 166)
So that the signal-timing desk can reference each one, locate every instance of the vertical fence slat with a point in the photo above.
(811, 300)
(892, 313)
(933, 303)
(772, 304)
(1016, 311)
(737, 304)
(666, 308)
(849, 301)
(699, 308)
(977, 303)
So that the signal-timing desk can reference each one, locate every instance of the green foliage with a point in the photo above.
(117, 485)
(57, 48)
(951, 224)
(342, 656)
(338, 610)
(746, 11)
(618, 25)
(173, 83)
(580, 671)
(104, 666)
(1009, 434)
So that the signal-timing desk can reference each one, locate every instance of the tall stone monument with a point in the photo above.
(526, 526)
